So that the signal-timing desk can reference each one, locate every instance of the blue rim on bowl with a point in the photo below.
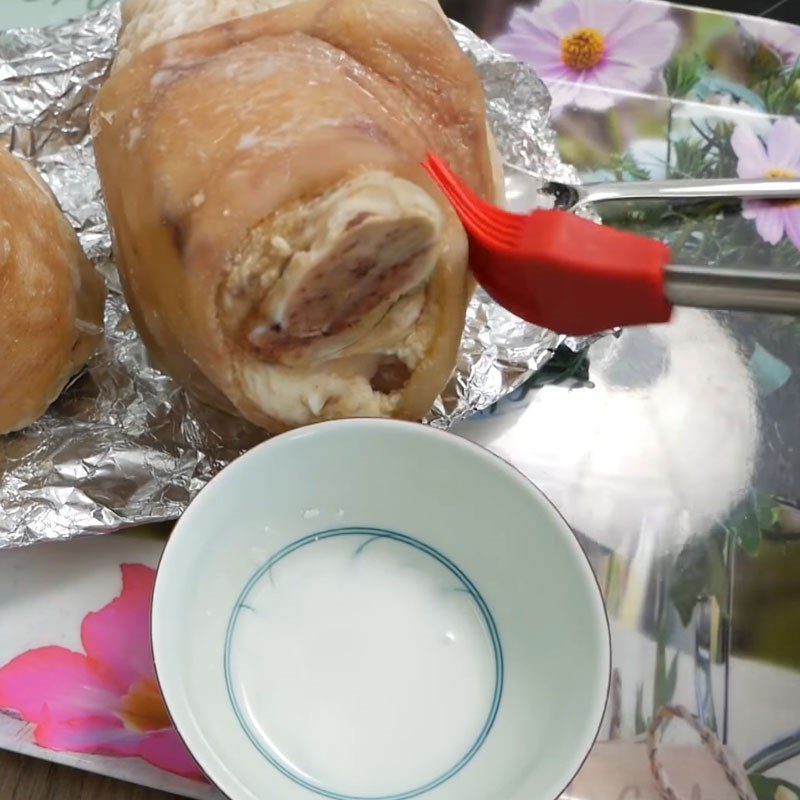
(370, 535)
(272, 598)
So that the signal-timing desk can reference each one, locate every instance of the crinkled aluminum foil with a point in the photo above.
(125, 445)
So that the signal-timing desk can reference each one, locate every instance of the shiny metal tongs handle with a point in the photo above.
(734, 290)
(733, 188)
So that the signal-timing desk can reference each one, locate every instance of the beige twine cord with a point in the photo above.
(709, 739)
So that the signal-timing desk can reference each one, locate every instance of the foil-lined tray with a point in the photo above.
(125, 445)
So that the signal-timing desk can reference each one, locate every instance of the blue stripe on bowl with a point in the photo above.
(373, 534)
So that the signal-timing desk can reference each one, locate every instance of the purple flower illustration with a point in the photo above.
(781, 37)
(580, 46)
(778, 157)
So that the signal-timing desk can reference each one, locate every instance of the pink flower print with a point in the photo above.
(106, 702)
(778, 157)
(579, 47)
(780, 37)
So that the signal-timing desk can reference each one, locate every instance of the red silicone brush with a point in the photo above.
(575, 277)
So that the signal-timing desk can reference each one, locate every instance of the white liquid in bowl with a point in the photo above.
(364, 665)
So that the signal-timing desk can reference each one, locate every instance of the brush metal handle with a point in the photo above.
(733, 290)
(750, 189)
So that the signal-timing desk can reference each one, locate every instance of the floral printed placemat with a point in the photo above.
(642, 89)
(647, 89)
(77, 683)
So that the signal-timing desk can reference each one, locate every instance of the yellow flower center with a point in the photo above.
(583, 49)
(778, 173)
(143, 708)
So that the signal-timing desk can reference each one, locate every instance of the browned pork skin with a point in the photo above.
(282, 251)
(51, 299)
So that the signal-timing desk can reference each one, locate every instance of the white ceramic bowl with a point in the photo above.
(373, 610)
